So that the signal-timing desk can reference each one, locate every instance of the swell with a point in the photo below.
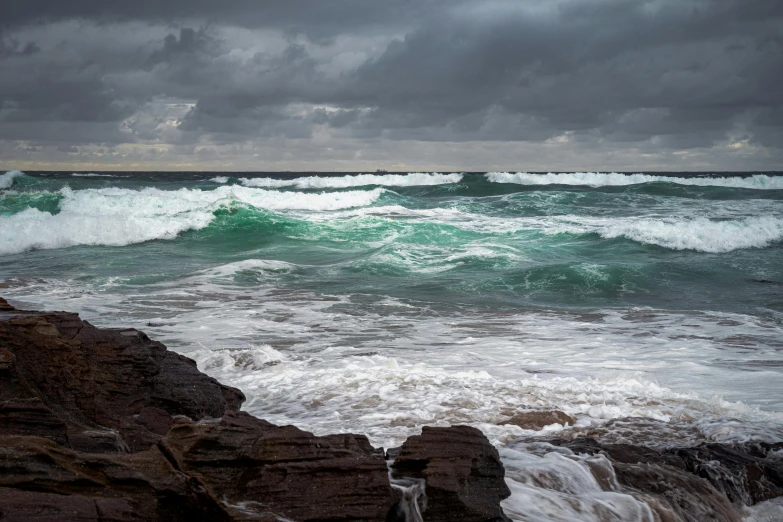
(117, 217)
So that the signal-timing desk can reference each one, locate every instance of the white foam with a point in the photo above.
(7, 179)
(360, 180)
(219, 179)
(33, 229)
(88, 175)
(117, 217)
(769, 511)
(598, 179)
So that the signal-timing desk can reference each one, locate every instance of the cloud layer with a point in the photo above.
(352, 85)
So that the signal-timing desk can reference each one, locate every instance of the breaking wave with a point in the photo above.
(598, 179)
(118, 217)
(360, 180)
(699, 234)
(7, 179)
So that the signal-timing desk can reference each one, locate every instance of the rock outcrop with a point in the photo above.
(462, 474)
(106, 425)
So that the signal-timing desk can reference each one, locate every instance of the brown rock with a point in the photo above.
(290, 471)
(535, 420)
(7, 359)
(144, 486)
(101, 379)
(462, 472)
(31, 417)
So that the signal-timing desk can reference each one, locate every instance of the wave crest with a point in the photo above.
(613, 179)
(7, 179)
(701, 234)
(360, 180)
(118, 217)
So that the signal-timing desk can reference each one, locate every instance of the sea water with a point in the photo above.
(648, 307)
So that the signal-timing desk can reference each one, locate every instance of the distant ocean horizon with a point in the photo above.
(380, 302)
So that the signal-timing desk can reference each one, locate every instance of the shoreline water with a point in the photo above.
(578, 473)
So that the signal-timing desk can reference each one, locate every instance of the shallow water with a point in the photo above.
(380, 303)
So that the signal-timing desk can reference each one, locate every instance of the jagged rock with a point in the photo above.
(535, 420)
(100, 379)
(462, 470)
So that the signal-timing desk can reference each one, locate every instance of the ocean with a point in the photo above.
(648, 307)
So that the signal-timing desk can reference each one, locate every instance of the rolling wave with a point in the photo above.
(118, 217)
(360, 180)
(613, 179)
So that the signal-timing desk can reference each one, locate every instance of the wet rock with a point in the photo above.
(34, 471)
(99, 379)
(535, 420)
(292, 472)
(464, 478)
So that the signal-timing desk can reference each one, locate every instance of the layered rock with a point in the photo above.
(96, 389)
(107, 425)
(462, 474)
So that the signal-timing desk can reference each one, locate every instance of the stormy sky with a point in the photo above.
(396, 84)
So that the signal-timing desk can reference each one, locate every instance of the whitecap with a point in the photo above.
(360, 180)
(599, 179)
(118, 217)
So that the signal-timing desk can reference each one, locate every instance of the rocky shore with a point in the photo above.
(106, 425)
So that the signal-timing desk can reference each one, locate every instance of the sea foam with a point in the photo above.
(360, 180)
(598, 179)
(7, 179)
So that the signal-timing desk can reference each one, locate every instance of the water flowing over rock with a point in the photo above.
(705, 482)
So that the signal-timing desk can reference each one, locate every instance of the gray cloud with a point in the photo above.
(654, 77)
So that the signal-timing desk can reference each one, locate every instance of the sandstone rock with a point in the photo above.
(35, 471)
(462, 471)
(101, 379)
(290, 471)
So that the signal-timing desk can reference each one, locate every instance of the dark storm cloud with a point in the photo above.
(662, 75)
